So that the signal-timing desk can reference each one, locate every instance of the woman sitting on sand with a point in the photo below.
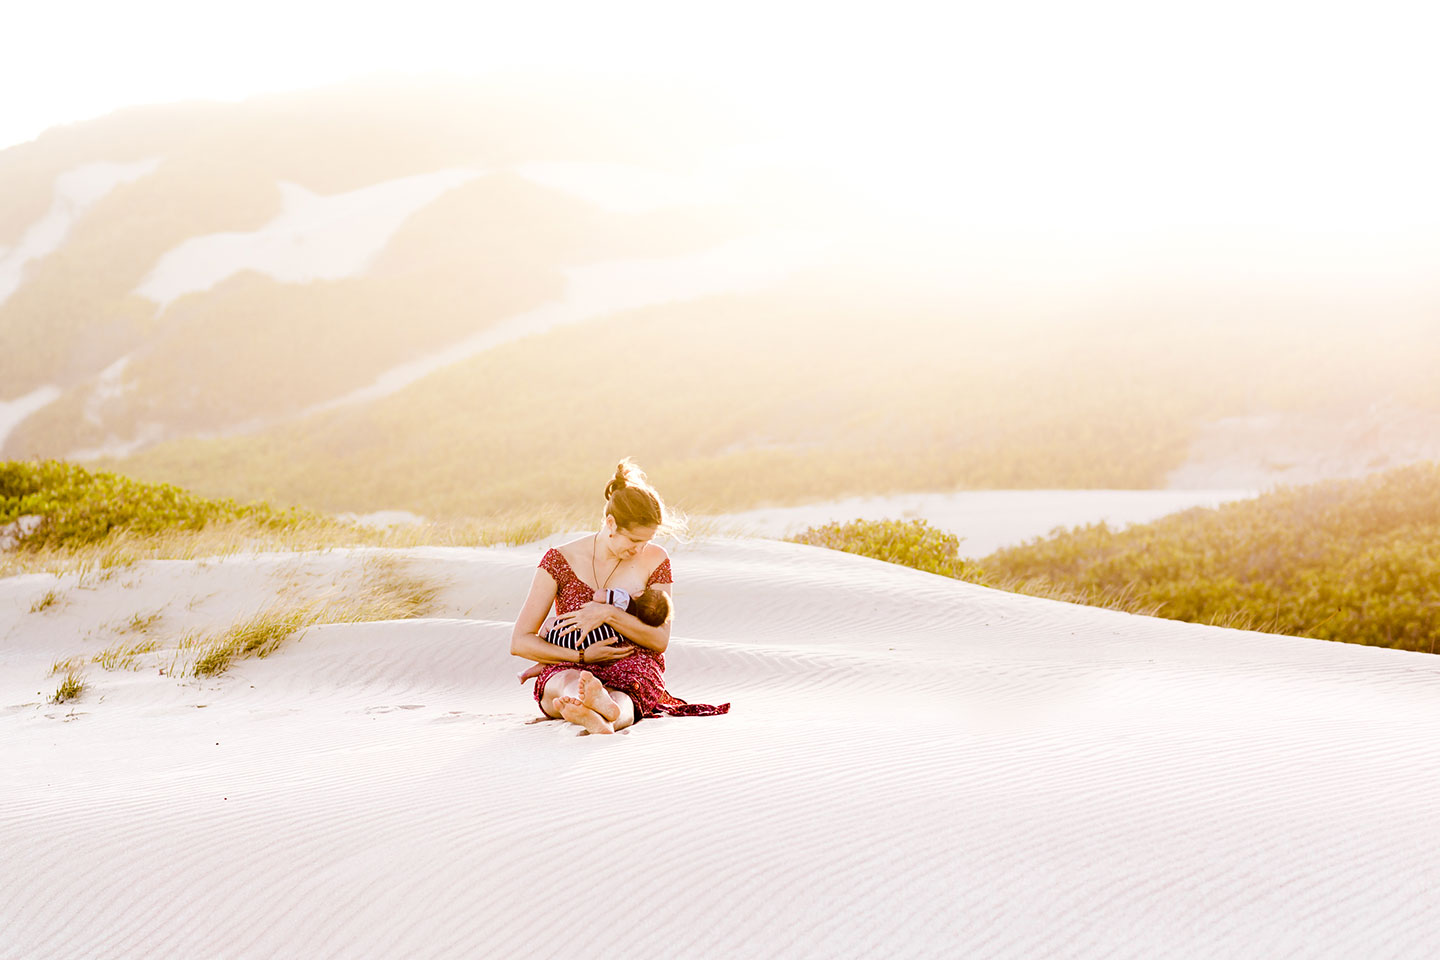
(604, 686)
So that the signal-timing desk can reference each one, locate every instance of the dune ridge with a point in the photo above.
(913, 766)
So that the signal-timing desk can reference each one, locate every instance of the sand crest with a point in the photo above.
(913, 767)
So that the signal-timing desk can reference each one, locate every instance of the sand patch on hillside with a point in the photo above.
(76, 191)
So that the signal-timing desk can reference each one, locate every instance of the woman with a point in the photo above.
(609, 685)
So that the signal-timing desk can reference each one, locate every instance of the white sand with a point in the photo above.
(913, 767)
(313, 238)
(76, 191)
(985, 519)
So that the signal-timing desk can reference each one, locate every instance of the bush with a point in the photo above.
(80, 507)
(1356, 561)
(911, 543)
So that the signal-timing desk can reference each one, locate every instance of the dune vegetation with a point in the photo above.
(1356, 561)
(794, 395)
(97, 520)
(80, 507)
(910, 543)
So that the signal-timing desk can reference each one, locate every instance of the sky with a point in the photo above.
(1101, 116)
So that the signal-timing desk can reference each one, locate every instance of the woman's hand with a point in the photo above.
(608, 650)
(587, 618)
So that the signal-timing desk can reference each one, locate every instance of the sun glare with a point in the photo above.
(1108, 118)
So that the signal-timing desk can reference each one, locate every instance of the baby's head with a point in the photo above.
(652, 607)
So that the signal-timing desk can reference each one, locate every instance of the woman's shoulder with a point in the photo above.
(573, 548)
(557, 560)
(658, 561)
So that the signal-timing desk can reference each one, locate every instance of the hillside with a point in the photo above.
(442, 297)
(1357, 561)
(746, 404)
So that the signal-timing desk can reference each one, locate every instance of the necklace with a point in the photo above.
(594, 569)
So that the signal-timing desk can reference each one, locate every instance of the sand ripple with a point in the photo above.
(913, 767)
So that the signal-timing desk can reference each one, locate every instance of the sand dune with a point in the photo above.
(913, 766)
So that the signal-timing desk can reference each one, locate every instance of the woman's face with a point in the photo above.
(625, 542)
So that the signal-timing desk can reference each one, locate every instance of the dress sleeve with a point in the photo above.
(661, 574)
(553, 563)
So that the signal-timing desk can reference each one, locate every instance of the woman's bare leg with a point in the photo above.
(626, 707)
(562, 699)
(566, 683)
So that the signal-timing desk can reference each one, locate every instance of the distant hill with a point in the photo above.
(445, 297)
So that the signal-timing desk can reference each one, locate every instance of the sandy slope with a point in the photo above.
(913, 767)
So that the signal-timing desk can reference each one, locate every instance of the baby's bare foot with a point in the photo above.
(577, 713)
(594, 695)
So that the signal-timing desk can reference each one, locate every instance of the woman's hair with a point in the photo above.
(631, 500)
(652, 607)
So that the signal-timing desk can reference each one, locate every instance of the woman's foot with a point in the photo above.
(576, 712)
(594, 695)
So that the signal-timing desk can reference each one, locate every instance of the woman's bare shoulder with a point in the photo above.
(652, 559)
(572, 549)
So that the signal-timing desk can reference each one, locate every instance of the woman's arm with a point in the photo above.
(525, 640)
(630, 627)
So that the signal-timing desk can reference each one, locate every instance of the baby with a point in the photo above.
(651, 607)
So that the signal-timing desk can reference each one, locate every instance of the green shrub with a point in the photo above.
(911, 543)
(1356, 561)
(81, 507)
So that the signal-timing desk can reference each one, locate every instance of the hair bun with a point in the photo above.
(621, 480)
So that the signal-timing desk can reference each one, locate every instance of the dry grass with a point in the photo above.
(141, 624)
(387, 592)
(391, 593)
(68, 665)
(122, 656)
(99, 561)
(1126, 599)
(50, 599)
(257, 636)
(70, 688)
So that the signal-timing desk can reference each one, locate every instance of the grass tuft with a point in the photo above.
(122, 656)
(141, 624)
(70, 688)
(68, 665)
(258, 636)
(387, 592)
(50, 599)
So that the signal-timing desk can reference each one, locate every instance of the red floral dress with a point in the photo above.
(642, 674)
